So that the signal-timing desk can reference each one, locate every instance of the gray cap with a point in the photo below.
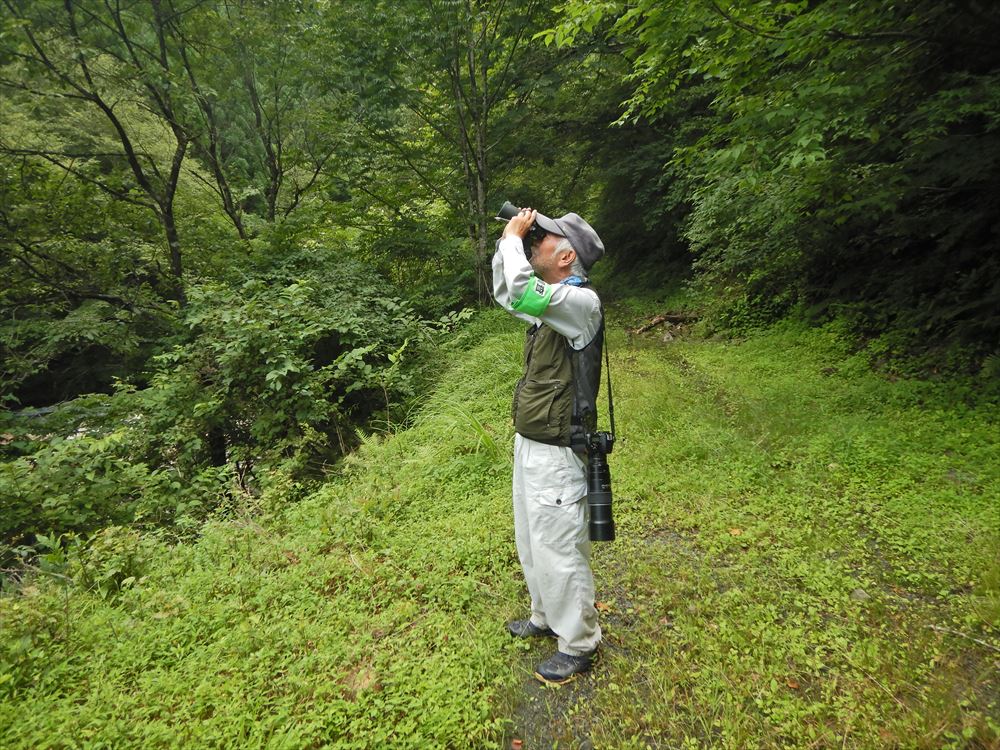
(580, 234)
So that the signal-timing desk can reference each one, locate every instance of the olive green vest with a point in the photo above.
(555, 401)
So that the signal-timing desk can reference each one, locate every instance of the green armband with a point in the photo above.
(535, 298)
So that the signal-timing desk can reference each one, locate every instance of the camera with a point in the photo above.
(602, 525)
(536, 234)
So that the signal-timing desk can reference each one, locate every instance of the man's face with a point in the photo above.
(544, 258)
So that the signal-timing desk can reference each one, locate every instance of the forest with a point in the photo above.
(253, 379)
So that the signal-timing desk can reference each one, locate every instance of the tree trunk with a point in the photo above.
(174, 246)
(482, 229)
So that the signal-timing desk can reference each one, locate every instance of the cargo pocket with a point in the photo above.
(541, 413)
(558, 517)
(550, 478)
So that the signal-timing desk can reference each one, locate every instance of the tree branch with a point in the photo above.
(742, 25)
(424, 179)
(51, 157)
(70, 293)
(298, 192)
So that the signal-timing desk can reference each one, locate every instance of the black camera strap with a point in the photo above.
(607, 368)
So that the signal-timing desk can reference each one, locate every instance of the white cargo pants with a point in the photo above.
(550, 527)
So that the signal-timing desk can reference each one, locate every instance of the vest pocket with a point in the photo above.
(541, 409)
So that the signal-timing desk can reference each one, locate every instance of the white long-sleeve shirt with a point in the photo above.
(574, 312)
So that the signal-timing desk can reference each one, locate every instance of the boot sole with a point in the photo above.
(548, 681)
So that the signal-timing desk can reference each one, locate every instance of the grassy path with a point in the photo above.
(807, 557)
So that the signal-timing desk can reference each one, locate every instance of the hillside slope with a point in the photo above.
(807, 556)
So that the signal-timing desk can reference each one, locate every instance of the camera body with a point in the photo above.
(535, 234)
(602, 524)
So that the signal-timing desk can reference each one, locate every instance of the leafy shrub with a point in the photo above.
(76, 483)
(833, 156)
(113, 560)
(276, 376)
(281, 369)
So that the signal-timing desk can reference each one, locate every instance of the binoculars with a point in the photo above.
(536, 234)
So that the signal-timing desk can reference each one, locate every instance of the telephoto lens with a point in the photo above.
(602, 525)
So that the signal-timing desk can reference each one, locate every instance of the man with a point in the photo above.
(554, 409)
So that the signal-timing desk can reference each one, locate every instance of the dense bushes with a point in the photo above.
(834, 156)
(277, 368)
(275, 374)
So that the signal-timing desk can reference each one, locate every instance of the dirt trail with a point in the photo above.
(559, 717)
(553, 716)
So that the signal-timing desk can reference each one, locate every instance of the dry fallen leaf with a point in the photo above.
(360, 678)
(603, 607)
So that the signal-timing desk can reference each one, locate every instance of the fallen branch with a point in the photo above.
(678, 318)
(940, 629)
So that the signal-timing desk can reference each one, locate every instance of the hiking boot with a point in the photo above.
(562, 668)
(527, 629)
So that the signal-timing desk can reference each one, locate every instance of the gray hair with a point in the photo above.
(576, 268)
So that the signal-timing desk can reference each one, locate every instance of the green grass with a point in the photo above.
(758, 486)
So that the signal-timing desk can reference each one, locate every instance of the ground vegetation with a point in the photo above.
(253, 437)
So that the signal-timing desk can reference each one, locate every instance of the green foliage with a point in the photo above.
(77, 483)
(81, 302)
(350, 597)
(759, 488)
(459, 111)
(282, 367)
(273, 380)
(836, 156)
(807, 550)
(113, 560)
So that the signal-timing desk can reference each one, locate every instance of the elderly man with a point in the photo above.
(554, 410)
